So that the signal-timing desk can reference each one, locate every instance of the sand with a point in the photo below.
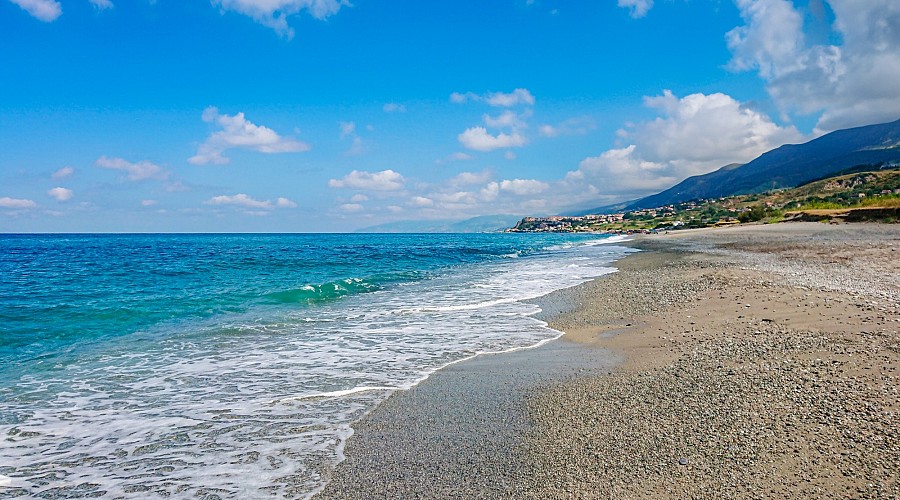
(748, 362)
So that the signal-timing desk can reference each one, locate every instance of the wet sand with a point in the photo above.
(746, 362)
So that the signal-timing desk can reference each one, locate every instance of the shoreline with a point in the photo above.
(531, 424)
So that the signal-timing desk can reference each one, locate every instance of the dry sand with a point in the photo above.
(759, 362)
(779, 378)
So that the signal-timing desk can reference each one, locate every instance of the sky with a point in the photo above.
(336, 115)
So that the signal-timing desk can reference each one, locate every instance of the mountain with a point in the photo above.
(481, 224)
(787, 166)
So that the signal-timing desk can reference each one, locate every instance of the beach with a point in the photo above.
(756, 361)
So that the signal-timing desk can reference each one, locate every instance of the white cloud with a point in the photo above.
(421, 201)
(245, 201)
(524, 187)
(44, 10)
(479, 139)
(470, 178)
(241, 200)
(393, 107)
(850, 83)
(517, 96)
(63, 173)
(136, 171)
(459, 98)
(454, 198)
(548, 131)
(771, 40)
(358, 198)
(7, 202)
(638, 8)
(691, 135)
(148, 203)
(505, 119)
(351, 207)
(510, 123)
(274, 13)
(102, 4)
(459, 156)
(704, 132)
(385, 180)
(497, 99)
(620, 171)
(285, 203)
(695, 135)
(490, 191)
(239, 133)
(509, 155)
(60, 194)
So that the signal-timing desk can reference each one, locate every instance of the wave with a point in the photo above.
(324, 292)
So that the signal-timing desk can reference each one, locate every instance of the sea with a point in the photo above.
(234, 365)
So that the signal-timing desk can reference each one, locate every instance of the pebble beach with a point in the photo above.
(748, 362)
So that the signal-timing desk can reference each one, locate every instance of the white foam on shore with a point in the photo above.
(337, 394)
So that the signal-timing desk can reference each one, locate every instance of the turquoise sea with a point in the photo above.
(234, 365)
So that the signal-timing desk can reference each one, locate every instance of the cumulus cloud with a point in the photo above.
(621, 171)
(850, 83)
(274, 13)
(506, 119)
(706, 131)
(351, 208)
(421, 201)
(497, 99)
(63, 173)
(479, 139)
(638, 8)
(239, 133)
(241, 200)
(385, 180)
(524, 187)
(285, 203)
(508, 124)
(694, 135)
(470, 178)
(44, 10)
(7, 202)
(135, 171)
(60, 194)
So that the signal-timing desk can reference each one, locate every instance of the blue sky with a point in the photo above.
(322, 115)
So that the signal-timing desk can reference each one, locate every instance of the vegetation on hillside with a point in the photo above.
(873, 194)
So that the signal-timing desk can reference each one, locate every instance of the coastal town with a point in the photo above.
(871, 195)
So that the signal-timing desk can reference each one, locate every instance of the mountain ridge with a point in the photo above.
(786, 166)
